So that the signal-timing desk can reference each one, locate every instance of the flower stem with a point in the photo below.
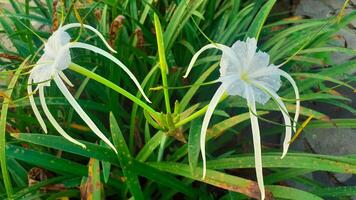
(81, 70)
(164, 67)
(162, 62)
(197, 114)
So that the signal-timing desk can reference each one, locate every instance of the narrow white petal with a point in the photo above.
(212, 105)
(33, 105)
(112, 58)
(81, 112)
(65, 79)
(256, 141)
(283, 109)
(77, 25)
(297, 103)
(54, 121)
(221, 47)
(275, 70)
(195, 57)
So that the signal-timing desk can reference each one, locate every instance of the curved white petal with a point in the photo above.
(112, 58)
(76, 25)
(81, 112)
(54, 122)
(256, 140)
(33, 105)
(65, 79)
(282, 107)
(223, 48)
(212, 105)
(296, 92)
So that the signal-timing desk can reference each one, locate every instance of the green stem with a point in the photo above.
(197, 114)
(161, 148)
(81, 70)
(135, 108)
(164, 67)
(4, 109)
(163, 62)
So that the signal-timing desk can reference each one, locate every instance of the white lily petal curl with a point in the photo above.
(112, 58)
(212, 105)
(33, 105)
(256, 140)
(77, 25)
(284, 111)
(81, 112)
(297, 97)
(225, 49)
(54, 121)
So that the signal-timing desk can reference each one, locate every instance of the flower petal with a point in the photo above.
(282, 107)
(296, 92)
(272, 81)
(112, 58)
(54, 122)
(76, 25)
(65, 79)
(263, 71)
(259, 60)
(33, 105)
(212, 105)
(256, 140)
(245, 50)
(81, 112)
(225, 49)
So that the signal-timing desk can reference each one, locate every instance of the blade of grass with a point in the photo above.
(4, 109)
(194, 144)
(234, 183)
(125, 159)
(255, 28)
(94, 151)
(93, 181)
(293, 160)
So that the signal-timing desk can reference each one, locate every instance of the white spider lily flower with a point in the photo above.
(247, 73)
(57, 58)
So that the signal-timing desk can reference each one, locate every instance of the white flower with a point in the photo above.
(57, 58)
(247, 73)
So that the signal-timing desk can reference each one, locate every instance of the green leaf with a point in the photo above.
(323, 78)
(233, 183)
(93, 184)
(93, 151)
(336, 191)
(125, 159)
(47, 161)
(4, 109)
(194, 144)
(291, 193)
(292, 160)
(257, 24)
